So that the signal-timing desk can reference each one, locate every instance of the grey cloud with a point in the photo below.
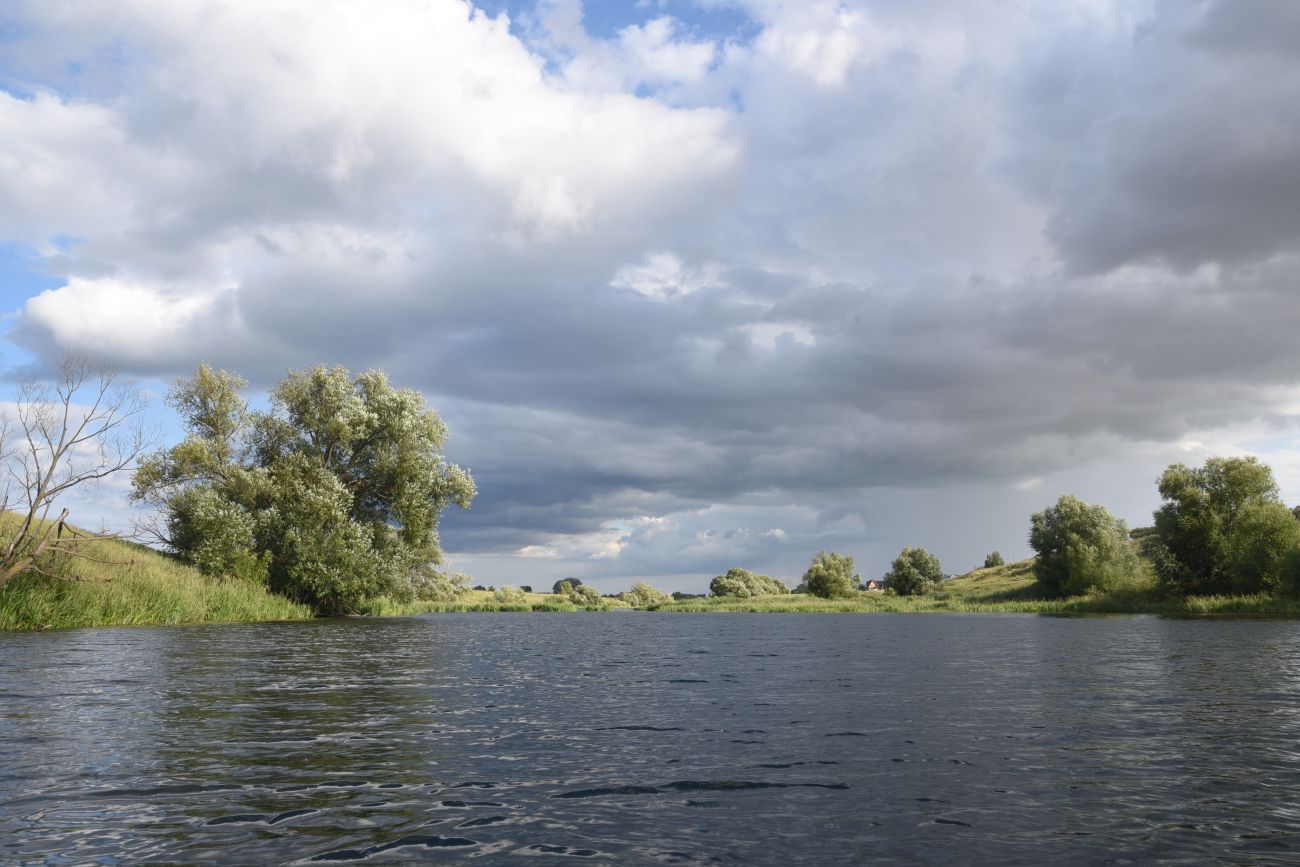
(1169, 143)
(1050, 244)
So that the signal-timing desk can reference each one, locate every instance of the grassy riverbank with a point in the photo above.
(1006, 589)
(484, 601)
(127, 585)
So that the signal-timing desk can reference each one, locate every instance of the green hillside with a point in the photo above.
(128, 584)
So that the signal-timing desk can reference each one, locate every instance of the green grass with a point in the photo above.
(1008, 589)
(481, 600)
(128, 584)
(471, 600)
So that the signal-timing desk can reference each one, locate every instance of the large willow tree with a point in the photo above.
(332, 496)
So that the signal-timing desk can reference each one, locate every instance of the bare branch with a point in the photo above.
(65, 443)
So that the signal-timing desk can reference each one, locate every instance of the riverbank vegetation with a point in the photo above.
(119, 583)
(1007, 589)
(328, 503)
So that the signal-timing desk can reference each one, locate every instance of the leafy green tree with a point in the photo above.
(558, 587)
(642, 595)
(1080, 548)
(1220, 529)
(914, 572)
(332, 496)
(741, 583)
(1268, 535)
(831, 576)
(994, 559)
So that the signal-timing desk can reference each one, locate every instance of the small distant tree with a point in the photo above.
(642, 595)
(84, 426)
(741, 583)
(1080, 548)
(994, 559)
(527, 588)
(831, 576)
(914, 572)
(509, 593)
(583, 596)
(559, 589)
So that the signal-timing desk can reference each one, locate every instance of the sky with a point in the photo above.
(694, 283)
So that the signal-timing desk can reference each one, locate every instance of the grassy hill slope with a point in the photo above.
(129, 584)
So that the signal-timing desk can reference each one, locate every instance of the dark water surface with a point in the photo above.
(646, 738)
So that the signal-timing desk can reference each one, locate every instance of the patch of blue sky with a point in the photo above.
(603, 19)
(22, 276)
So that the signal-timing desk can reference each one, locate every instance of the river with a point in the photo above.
(650, 738)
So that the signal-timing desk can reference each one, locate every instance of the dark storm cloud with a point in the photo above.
(1175, 145)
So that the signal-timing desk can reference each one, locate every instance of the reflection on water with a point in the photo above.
(638, 738)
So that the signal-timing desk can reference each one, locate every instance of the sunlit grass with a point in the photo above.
(129, 584)
(476, 600)
(1008, 589)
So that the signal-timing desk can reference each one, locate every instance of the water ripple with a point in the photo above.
(654, 739)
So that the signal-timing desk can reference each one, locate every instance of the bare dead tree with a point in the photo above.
(85, 426)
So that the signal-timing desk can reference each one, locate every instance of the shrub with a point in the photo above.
(994, 559)
(581, 595)
(831, 576)
(742, 584)
(642, 595)
(509, 593)
(430, 585)
(914, 572)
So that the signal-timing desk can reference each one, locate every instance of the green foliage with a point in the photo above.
(992, 560)
(221, 537)
(914, 572)
(581, 595)
(1221, 529)
(559, 589)
(742, 584)
(427, 584)
(332, 497)
(642, 595)
(119, 583)
(1081, 548)
(831, 576)
(1268, 536)
(509, 593)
